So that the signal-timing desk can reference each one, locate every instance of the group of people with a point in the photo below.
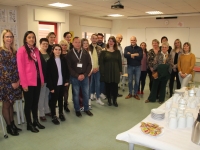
(162, 64)
(93, 70)
(43, 76)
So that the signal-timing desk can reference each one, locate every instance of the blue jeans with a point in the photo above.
(136, 71)
(84, 85)
(95, 84)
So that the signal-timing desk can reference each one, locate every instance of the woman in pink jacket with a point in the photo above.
(31, 79)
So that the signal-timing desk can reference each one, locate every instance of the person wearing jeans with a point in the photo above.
(95, 76)
(80, 65)
(133, 71)
(84, 85)
(133, 54)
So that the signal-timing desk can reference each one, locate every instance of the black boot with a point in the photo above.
(109, 102)
(11, 131)
(32, 128)
(36, 123)
(66, 108)
(115, 102)
(15, 127)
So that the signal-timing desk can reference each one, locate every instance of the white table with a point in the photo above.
(171, 139)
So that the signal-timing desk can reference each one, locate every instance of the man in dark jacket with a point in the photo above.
(133, 54)
(79, 64)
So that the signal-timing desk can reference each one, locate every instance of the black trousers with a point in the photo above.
(31, 98)
(66, 93)
(161, 85)
(57, 96)
(142, 80)
(171, 82)
(150, 78)
(111, 90)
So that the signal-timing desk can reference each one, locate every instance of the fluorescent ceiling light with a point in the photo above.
(154, 12)
(115, 15)
(60, 5)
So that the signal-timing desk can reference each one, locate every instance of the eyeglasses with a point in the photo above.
(9, 37)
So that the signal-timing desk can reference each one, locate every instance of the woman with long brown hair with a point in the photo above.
(110, 69)
(143, 74)
(31, 79)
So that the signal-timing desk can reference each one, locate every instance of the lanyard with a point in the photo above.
(77, 55)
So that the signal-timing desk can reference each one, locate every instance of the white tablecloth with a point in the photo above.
(171, 139)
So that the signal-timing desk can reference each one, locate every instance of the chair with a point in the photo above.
(124, 76)
(20, 112)
(2, 126)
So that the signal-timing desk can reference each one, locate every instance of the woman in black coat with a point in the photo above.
(57, 78)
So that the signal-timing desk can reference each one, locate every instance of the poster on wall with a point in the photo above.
(2, 27)
(16, 44)
(3, 16)
(12, 16)
(13, 28)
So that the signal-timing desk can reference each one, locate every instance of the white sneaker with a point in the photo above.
(90, 104)
(82, 109)
(92, 97)
(102, 96)
(99, 101)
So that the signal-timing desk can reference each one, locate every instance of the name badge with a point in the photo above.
(79, 65)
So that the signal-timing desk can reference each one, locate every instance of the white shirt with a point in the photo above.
(60, 78)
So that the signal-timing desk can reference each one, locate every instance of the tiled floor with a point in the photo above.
(89, 133)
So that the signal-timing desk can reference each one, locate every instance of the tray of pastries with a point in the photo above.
(151, 129)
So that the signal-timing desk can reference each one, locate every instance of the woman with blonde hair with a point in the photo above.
(150, 59)
(51, 38)
(10, 89)
(186, 64)
(175, 54)
(65, 48)
(162, 64)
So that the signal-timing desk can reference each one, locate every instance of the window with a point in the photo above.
(45, 28)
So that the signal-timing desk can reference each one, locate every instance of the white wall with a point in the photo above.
(79, 24)
(28, 22)
(122, 25)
